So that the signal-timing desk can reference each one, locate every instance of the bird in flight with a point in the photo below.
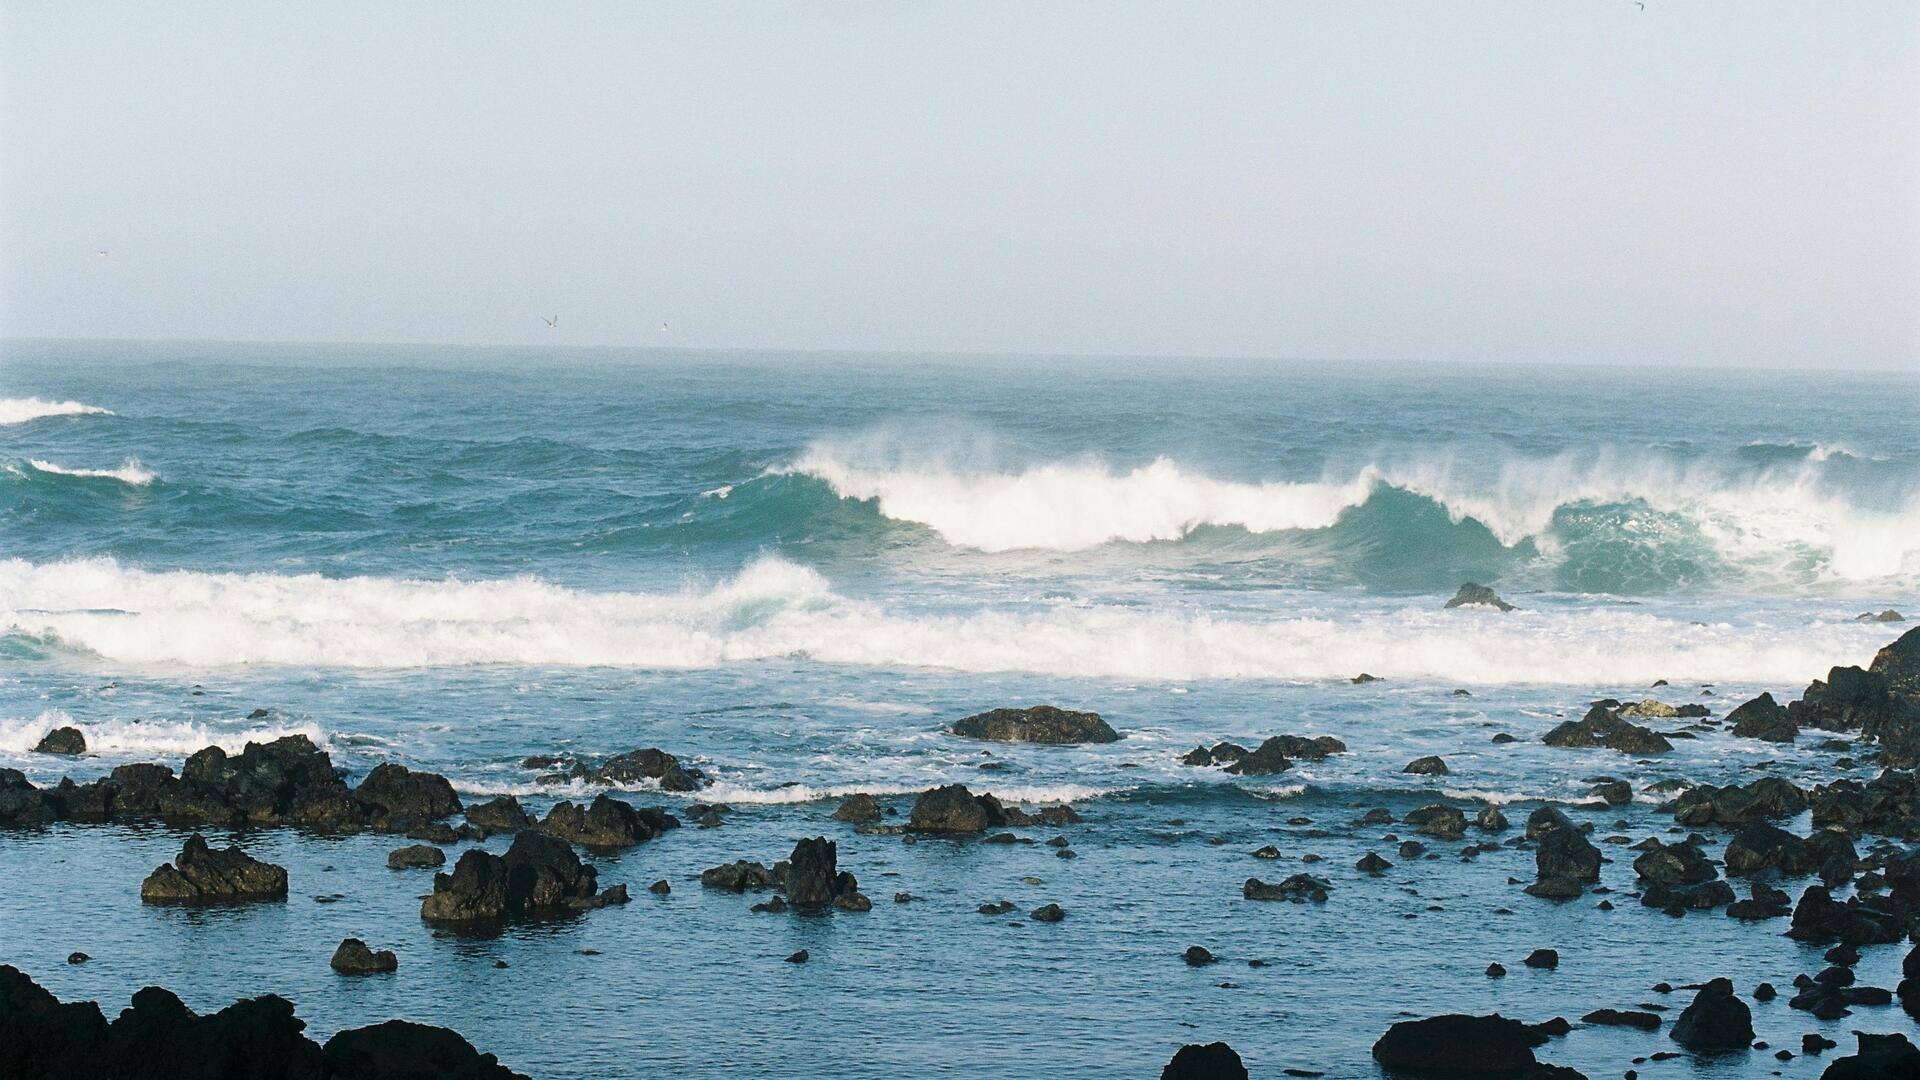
(102, 254)
(663, 328)
(551, 323)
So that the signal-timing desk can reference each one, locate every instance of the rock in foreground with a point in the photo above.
(1457, 1045)
(1214, 1061)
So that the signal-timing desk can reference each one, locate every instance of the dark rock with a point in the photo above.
(1717, 1020)
(1496, 971)
(416, 855)
(1763, 719)
(401, 798)
(1767, 798)
(660, 888)
(800, 957)
(1274, 754)
(539, 874)
(1478, 595)
(1881, 1057)
(858, 809)
(62, 740)
(1371, 863)
(401, 1050)
(1674, 864)
(202, 875)
(1645, 1021)
(1038, 724)
(1439, 820)
(1899, 664)
(1490, 819)
(649, 764)
(1543, 958)
(1480, 1046)
(1363, 678)
(1859, 920)
(499, 815)
(1223, 753)
(1600, 727)
(813, 878)
(1214, 1061)
(739, 876)
(606, 823)
(354, 958)
(78, 958)
(1047, 913)
(1563, 862)
(954, 809)
(1298, 888)
(1198, 956)
(1426, 766)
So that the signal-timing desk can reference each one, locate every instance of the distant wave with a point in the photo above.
(144, 737)
(129, 472)
(776, 610)
(21, 410)
(1611, 514)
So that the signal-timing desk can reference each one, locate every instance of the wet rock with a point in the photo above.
(858, 809)
(1038, 724)
(1563, 862)
(1649, 709)
(22, 804)
(1821, 919)
(1880, 1057)
(1198, 956)
(203, 875)
(1299, 888)
(606, 823)
(1887, 616)
(354, 958)
(1614, 792)
(539, 874)
(1764, 719)
(740, 876)
(499, 815)
(1474, 595)
(660, 888)
(416, 855)
(1767, 798)
(1674, 864)
(1426, 766)
(401, 798)
(1274, 755)
(1439, 820)
(1601, 727)
(1223, 753)
(1490, 819)
(1047, 913)
(954, 809)
(1899, 664)
(1543, 958)
(78, 958)
(1457, 1045)
(1716, 1020)
(1214, 1061)
(1363, 678)
(813, 877)
(1644, 1021)
(401, 1050)
(62, 740)
(650, 763)
(1496, 971)
(1371, 863)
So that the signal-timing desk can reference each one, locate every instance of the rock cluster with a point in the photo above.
(1038, 724)
(204, 875)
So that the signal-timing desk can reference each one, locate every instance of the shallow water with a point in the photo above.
(794, 571)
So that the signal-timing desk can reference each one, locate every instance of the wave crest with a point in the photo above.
(21, 410)
(129, 472)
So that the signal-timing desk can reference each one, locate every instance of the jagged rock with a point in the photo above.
(203, 875)
(1222, 753)
(1674, 864)
(1047, 913)
(502, 814)
(606, 823)
(1564, 861)
(1457, 1045)
(1601, 727)
(813, 879)
(1768, 797)
(415, 855)
(1545, 820)
(1371, 863)
(1763, 719)
(1881, 1057)
(401, 798)
(1426, 766)
(62, 740)
(354, 958)
(1438, 820)
(1471, 594)
(1214, 1061)
(1716, 1020)
(649, 764)
(1298, 888)
(1614, 792)
(400, 1050)
(1818, 917)
(859, 809)
(741, 875)
(539, 874)
(22, 804)
(1038, 724)
(954, 809)
(1899, 664)
(1490, 819)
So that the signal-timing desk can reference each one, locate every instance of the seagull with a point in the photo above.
(102, 254)
(663, 328)
(551, 323)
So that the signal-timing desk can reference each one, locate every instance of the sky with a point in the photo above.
(1581, 181)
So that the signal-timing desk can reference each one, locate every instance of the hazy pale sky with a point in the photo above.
(1580, 180)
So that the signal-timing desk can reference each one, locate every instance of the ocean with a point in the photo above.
(794, 571)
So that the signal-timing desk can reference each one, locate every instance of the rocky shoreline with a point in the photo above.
(1724, 840)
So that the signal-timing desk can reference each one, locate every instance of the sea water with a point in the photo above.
(794, 571)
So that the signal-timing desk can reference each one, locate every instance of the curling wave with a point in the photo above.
(21, 410)
(777, 610)
(129, 472)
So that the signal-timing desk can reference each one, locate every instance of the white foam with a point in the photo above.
(776, 610)
(1766, 522)
(129, 472)
(748, 795)
(145, 738)
(21, 410)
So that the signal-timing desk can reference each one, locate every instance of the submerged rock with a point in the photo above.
(203, 875)
(1475, 595)
(1298, 888)
(1038, 724)
(1601, 727)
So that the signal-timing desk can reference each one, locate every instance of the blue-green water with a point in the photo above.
(795, 570)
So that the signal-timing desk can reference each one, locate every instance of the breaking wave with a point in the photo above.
(129, 472)
(21, 410)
